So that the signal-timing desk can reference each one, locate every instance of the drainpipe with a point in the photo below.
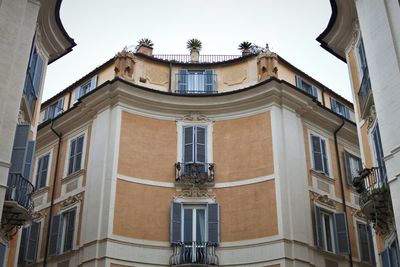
(59, 135)
(170, 76)
(342, 189)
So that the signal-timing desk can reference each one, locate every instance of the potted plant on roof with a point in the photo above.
(194, 45)
(145, 46)
(245, 48)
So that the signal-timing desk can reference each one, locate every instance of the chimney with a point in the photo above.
(146, 50)
(194, 55)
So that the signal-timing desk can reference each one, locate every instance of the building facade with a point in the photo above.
(159, 160)
(366, 35)
(32, 37)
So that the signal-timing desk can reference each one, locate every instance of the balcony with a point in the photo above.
(365, 94)
(375, 200)
(194, 254)
(18, 204)
(196, 82)
(194, 174)
(202, 58)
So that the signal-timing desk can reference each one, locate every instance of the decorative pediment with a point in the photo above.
(324, 200)
(70, 201)
(195, 192)
(195, 117)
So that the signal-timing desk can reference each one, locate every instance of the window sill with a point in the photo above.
(322, 176)
(333, 255)
(73, 175)
(40, 191)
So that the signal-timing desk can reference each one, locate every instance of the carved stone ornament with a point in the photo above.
(359, 214)
(21, 117)
(70, 201)
(324, 200)
(372, 116)
(195, 192)
(38, 215)
(355, 34)
(195, 117)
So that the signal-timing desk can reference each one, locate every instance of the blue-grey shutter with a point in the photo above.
(93, 82)
(299, 82)
(23, 246)
(324, 157)
(37, 78)
(363, 242)
(33, 242)
(334, 106)
(371, 249)
(188, 146)
(346, 157)
(314, 91)
(379, 153)
(346, 113)
(78, 155)
(201, 145)
(70, 229)
(318, 227)
(59, 107)
(342, 244)
(55, 235)
(29, 159)
(176, 223)
(209, 81)
(72, 149)
(385, 256)
(213, 223)
(3, 249)
(42, 169)
(317, 155)
(19, 148)
(182, 80)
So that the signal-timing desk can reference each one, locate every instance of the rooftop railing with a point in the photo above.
(202, 58)
(188, 253)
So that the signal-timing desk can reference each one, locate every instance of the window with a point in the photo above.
(85, 88)
(378, 152)
(62, 232)
(306, 87)
(23, 152)
(196, 81)
(29, 245)
(365, 243)
(194, 223)
(320, 159)
(331, 231)
(195, 145)
(340, 109)
(42, 170)
(362, 58)
(54, 109)
(391, 255)
(75, 154)
(353, 166)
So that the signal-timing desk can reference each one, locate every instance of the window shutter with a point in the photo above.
(19, 148)
(29, 159)
(72, 149)
(59, 107)
(77, 94)
(299, 83)
(314, 91)
(3, 249)
(78, 155)
(209, 84)
(317, 156)
(318, 227)
(213, 223)
(346, 157)
(363, 242)
(201, 145)
(176, 223)
(22, 246)
(385, 256)
(342, 245)
(37, 78)
(371, 245)
(33, 242)
(188, 144)
(70, 229)
(55, 235)
(93, 82)
(324, 157)
(183, 81)
(41, 174)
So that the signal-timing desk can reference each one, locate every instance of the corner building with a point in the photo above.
(154, 160)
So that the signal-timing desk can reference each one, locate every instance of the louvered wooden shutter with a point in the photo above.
(55, 235)
(201, 146)
(176, 223)
(72, 149)
(70, 229)
(371, 249)
(318, 227)
(317, 155)
(314, 91)
(209, 81)
(42, 169)
(19, 148)
(324, 157)
(183, 81)
(29, 159)
(342, 244)
(23, 246)
(346, 157)
(37, 78)
(213, 223)
(93, 82)
(78, 155)
(33, 242)
(299, 83)
(188, 139)
(385, 256)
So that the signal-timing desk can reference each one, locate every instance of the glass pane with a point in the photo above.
(200, 225)
(328, 233)
(188, 225)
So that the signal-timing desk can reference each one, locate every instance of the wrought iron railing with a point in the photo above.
(194, 253)
(194, 173)
(370, 181)
(365, 90)
(20, 190)
(202, 58)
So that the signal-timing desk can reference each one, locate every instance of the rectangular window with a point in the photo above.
(29, 245)
(319, 152)
(86, 88)
(327, 230)
(340, 109)
(365, 243)
(362, 58)
(196, 82)
(194, 145)
(378, 152)
(306, 87)
(75, 154)
(42, 170)
(54, 109)
(33, 77)
(62, 232)
(353, 166)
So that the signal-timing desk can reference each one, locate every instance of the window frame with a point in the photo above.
(183, 86)
(38, 244)
(62, 230)
(91, 83)
(52, 111)
(337, 106)
(194, 208)
(300, 84)
(371, 247)
(327, 151)
(37, 162)
(350, 154)
(73, 136)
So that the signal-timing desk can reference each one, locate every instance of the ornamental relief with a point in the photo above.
(156, 75)
(70, 201)
(324, 200)
(234, 76)
(195, 192)
(195, 117)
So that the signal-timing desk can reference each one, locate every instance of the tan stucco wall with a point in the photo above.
(284, 73)
(12, 250)
(106, 74)
(243, 148)
(140, 155)
(367, 150)
(248, 212)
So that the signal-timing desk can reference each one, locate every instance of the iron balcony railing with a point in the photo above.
(370, 181)
(194, 173)
(196, 83)
(194, 253)
(20, 190)
(202, 58)
(365, 90)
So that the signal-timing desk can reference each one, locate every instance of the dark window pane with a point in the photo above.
(200, 225)
(188, 225)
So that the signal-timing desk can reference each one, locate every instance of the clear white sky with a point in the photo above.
(101, 28)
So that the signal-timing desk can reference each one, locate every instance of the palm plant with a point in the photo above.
(145, 42)
(245, 46)
(194, 44)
